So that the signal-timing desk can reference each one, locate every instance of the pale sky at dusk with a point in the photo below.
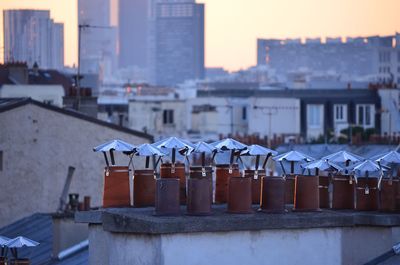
(232, 26)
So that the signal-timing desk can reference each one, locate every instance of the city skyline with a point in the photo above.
(32, 36)
(232, 27)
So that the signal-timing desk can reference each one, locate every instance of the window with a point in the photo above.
(387, 59)
(314, 115)
(384, 57)
(168, 116)
(365, 115)
(178, 10)
(244, 113)
(360, 114)
(340, 112)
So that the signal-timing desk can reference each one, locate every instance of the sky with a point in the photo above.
(233, 26)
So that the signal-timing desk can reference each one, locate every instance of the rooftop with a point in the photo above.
(12, 103)
(33, 76)
(143, 220)
(360, 94)
(38, 227)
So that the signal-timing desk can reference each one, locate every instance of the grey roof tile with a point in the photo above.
(39, 227)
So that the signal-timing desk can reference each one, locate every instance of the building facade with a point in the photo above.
(98, 45)
(57, 52)
(56, 139)
(133, 33)
(32, 36)
(178, 28)
(161, 118)
(362, 56)
(388, 58)
(210, 116)
(318, 112)
(48, 94)
(390, 111)
(269, 116)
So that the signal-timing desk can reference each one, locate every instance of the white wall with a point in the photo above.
(149, 114)
(253, 247)
(228, 115)
(315, 119)
(329, 246)
(390, 115)
(205, 122)
(42, 93)
(283, 112)
(38, 146)
(143, 114)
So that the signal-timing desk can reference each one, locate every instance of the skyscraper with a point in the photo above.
(133, 33)
(179, 41)
(57, 57)
(32, 36)
(98, 37)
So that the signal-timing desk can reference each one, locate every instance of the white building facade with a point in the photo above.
(98, 37)
(274, 116)
(164, 117)
(48, 94)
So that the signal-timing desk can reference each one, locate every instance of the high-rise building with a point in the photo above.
(32, 36)
(133, 33)
(178, 35)
(98, 37)
(360, 56)
(58, 49)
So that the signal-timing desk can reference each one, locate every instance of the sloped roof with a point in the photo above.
(12, 103)
(39, 77)
(50, 77)
(39, 227)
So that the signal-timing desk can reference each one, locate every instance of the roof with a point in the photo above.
(35, 76)
(143, 221)
(39, 227)
(359, 94)
(50, 77)
(12, 103)
(232, 85)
